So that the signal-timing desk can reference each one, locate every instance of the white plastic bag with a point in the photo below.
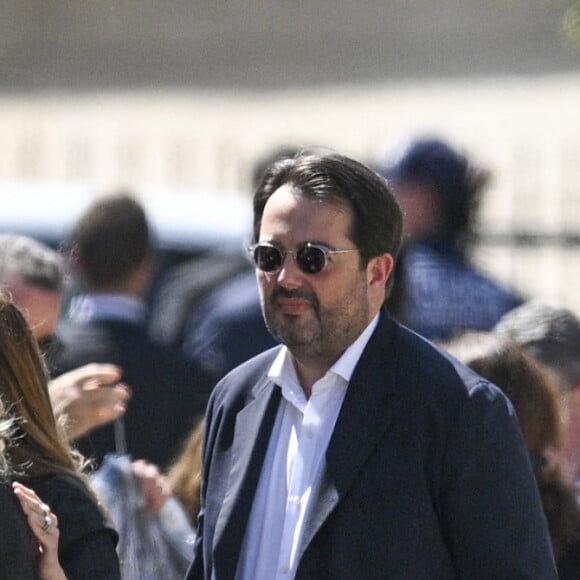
(150, 547)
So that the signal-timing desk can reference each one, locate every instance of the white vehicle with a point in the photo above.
(201, 236)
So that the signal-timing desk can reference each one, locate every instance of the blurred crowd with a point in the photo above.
(102, 413)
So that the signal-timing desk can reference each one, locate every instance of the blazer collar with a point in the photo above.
(370, 406)
(252, 432)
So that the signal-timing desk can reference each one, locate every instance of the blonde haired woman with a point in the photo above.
(42, 460)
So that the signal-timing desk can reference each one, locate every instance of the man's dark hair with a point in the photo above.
(277, 154)
(377, 223)
(111, 240)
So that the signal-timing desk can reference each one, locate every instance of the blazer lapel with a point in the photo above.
(369, 407)
(252, 434)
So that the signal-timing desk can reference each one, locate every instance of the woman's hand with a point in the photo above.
(44, 526)
(154, 485)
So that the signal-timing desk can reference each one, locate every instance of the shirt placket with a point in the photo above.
(302, 456)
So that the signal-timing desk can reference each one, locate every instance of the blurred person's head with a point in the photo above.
(39, 446)
(33, 274)
(551, 333)
(439, 191)
(111, 246)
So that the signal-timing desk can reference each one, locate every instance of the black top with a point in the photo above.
(87, 544)
(18, 552)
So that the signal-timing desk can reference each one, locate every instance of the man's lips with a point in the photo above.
(293, 305)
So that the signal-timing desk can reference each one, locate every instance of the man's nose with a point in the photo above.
(289, 275)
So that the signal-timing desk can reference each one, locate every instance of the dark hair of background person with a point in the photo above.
(185, 474)
(110, 240)
(535, 398)
(455, 180)
(377, 224)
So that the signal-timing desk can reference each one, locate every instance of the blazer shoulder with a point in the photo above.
(239, 383)
(429, 370)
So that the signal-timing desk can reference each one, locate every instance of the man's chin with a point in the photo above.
(293, 338)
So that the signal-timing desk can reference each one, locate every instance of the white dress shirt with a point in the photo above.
(292, 465)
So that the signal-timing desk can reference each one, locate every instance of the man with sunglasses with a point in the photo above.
(356, 449)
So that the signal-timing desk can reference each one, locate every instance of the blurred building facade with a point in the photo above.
(190, 94)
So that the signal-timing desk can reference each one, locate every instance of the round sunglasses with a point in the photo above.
(311, 258)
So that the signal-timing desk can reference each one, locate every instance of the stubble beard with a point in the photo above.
(325, 335)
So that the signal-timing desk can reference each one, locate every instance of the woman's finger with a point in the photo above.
(40, 517)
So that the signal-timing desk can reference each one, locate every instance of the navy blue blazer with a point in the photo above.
(426, 476)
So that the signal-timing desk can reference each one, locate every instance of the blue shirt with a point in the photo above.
(447, 295)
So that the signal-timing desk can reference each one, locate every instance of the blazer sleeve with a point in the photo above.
(490, 505)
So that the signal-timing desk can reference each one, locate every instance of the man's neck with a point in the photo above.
(308, 374)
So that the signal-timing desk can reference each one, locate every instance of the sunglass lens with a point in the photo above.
(267, 258)
(311, 259)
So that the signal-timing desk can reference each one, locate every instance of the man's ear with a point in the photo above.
(379, 270)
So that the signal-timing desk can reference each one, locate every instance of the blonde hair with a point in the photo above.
(37, 445)
(6, 430)
(185, 475)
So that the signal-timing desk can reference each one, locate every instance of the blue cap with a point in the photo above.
(434, 161)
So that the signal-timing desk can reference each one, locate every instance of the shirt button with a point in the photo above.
(295, 499)
(309, 433)
(285, 569)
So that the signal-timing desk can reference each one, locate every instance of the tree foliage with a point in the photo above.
(571, 24)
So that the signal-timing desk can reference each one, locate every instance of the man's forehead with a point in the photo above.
(290, 193)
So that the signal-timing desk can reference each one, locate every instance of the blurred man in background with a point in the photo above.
(114, 258)
(440, 191)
